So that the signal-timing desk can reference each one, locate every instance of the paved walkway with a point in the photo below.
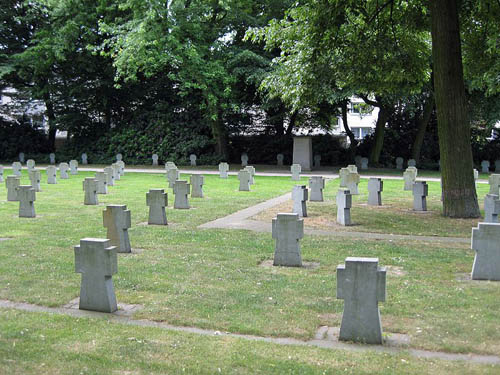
(240, 220)
(326, 337)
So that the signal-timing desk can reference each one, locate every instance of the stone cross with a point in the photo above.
(491, 208)
(157, 200)
(169, 164)
(399, 162)
(1, 173)
(117, 220)
(251, 170)
(96, 260)
(361, 283)
(299, 198)
(316, 184)
(279, 159)
(352, 181)
(343, 173)
(244, 177)
(223, 169)
(84, 159)
(12, 183)
(296, 169)
(16, 168)
(485, 166)
(155, 159)
(116, 171)
(420, 192)
(409, 176)
(121, 170)
(21, 157)
(357, 161)
(287, 230)
(344, 204)
(73, 165)
(317, 161)
(34, 176)
(110, 176)
(52, 158)
(352, 168)
(51, 174)
(375, 188)
(102, 185)
(181, 191)
(197, 181)
(486, 243)
(90, 189)
(494, 181)
(30, 164)
(412, 163)
(119, 157)
(192, 160)
(244, 159)
(172, 176)
(364, 163)
(63, 171)
(497, 165)
(26, 196)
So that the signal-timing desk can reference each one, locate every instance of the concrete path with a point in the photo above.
(240, 220)
(326, 337)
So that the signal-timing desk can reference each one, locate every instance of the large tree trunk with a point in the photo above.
(220, 135)
(459, 191)
(293, 120)
(347, 129)
(422, 127)
(49, 106)
(376, 149)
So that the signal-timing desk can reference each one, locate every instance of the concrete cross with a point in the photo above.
(197, 181)
(172, 176)
(251, 170)
(364, 163)
(192, 160)
(26, 196)
(117, 220)
(116, 171)
(344, 203)
(84, 158)
(299, 197)
(375, 188)
(399, 162)
(353, 168)
(244, 159)
(90, 189)
(343, 173)
(409, 176)
(279, 159)
(51, 174)
(157, 200)
(121, 170)
(287, 230)
(119, 157)
(96, 260)
(30, 164)
(412, 163)
(12, 183)
(110, 176)
(181, 191)
(491, 208)
(296, 169)
(73, 165)
(420, 192)
(155, 159)
(486, 243)
(316, 184)
(63, 171)
(352, 181)
(494, 181)
(485, 166)
(16, 168)
(169, 164)
(102, 185)
(34, 176)
(52, 158)
(361, 283)
(223, 169)
(244, 177)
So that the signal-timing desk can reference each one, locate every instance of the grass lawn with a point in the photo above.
(214, 279)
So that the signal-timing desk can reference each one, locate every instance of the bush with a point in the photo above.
(16, 137)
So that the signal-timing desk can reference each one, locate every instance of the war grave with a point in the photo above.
(194, 299)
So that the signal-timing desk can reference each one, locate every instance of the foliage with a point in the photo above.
(22, 136)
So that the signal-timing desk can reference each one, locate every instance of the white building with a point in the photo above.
(361, 118)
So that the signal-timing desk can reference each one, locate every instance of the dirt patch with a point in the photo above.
(307, 265)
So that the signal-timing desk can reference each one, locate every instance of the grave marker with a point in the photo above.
(420, 192)
(63, 171)
(399, 162)
(412, 163)
(296, 169)
(357, 161)
(192, 160)
(361, 283)
(485, 166)
(90, 189)
(494, 182)
(299, 197)
(21, 157)
(110, 176)
(244, 159)
(119, 157)
(375, 188)
(172, 176)
(12, 183)
(155, 159)
(197, 181)
(485, 241)
(364, 163)
(223, 169)
(26, 196)
(287, 230)
(121, 166)
(302, 152)
(409, 176)
(251, 170)
(352, 181)
(73, 165)
(316, 184)
(116, 171)
(84, 159)
(491, 208)
(51, 174)
(117, 220)
(34, 176)
(344, 204)
(244, 177)
(181, 191)
(52, 158)
(279, 159)
(102, 185)
(157, 200)
(30, 164)
(16, 168)
(96, 260)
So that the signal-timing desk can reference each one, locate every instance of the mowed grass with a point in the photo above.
(214, 278)
(395, 216)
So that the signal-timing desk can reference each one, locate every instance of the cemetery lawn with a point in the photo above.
(214, 279)
(395, 216)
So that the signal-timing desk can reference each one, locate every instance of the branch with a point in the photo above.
(379, 10)
(369, 101)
